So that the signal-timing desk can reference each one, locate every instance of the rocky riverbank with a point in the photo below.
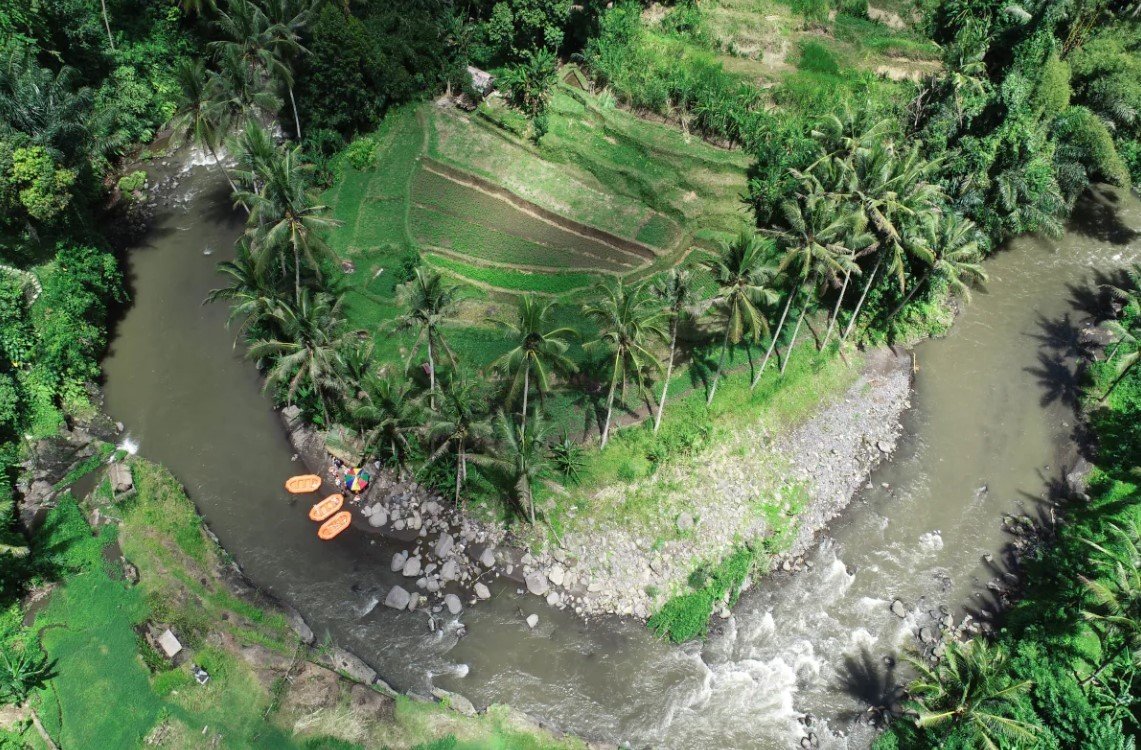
(712, 504)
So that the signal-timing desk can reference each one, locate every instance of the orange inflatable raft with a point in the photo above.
(335, 525)
(303, 483)
(326, 507)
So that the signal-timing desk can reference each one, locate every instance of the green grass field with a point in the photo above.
(110, 689)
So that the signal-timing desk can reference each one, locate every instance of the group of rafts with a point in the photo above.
(328, 512)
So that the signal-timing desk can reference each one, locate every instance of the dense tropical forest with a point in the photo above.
(630, 307)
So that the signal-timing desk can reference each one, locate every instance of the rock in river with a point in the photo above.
(898, 609)
(412, 568)
(397, 598)
(482, 591)
(378, 517)
(556, 575)
(537, 583)
(532, 620)
(445, 544)
(452, 602)
(398, 561)
(487, 559)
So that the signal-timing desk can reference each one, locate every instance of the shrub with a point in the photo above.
(129, 183)
(817, 58)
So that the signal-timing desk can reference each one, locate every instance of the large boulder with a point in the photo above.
(445, 544)
(411, 568)
(397, 598)
(556, 575)
(537, 583)
(487, 559)
(450, 571)
(452, 602)
(398, 561)
(120, 477)
(378, 517)
(482, 591)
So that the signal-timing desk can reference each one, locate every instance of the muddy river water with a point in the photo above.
(987, 434)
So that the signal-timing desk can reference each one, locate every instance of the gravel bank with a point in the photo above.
(708, 506)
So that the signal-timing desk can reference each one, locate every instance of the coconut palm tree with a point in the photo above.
(892, 193)
(385, 412)
(253, 298)
(540, 351)
(23, 672)
(201, 118)
(460, 426)
(429, 304)
(969, 690)
(1127, 335)
(956, 258)
(627, 320)
(1116, 596)
(673, 289)
(287, 20)
(307, 351)
(816, 236)
(254, 152)
(519, 456)
(742, 274)
(287, 218)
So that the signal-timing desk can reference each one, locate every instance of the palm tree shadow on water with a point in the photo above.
(1095, 216)
(874, 683)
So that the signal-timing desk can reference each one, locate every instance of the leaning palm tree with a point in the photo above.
(1127, 352)
(307, 351)
(254, 153)
(540, 350)
(429, 303)
(519, 455)
(970, 690)
(817, 236)
(742, 275)
(460, 426)
(385, 412)
(201, 118)
(288, 19)
(956, 259)
(287, 217)
(627, 320)
(674, 290)
(253, 297)
(1116, 595)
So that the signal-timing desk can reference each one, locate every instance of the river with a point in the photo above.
(991, 420)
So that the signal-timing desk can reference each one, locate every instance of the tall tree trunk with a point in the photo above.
(107, 24)
(863, 296)
(40, 728)
(459, 471)
(609, 405)
(792, 344)
(1117, 380)
(669, 374)
(914, 289)
(836, 310)
(720, 367)
(1104, 665)
(530, 499)
(225, 173)
(526, 393)
(297, 277)
(431, 375)
(776, 335)
(296, 119)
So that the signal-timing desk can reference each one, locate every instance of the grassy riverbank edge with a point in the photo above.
(117, 566)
